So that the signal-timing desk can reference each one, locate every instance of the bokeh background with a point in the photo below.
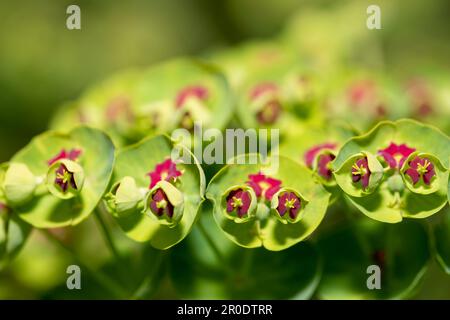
(43, 65)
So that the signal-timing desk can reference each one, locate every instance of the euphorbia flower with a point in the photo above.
(290, 203)
(323, 165)
(362, 91)
(238, 201)
(421, 168)
(73, 155)
(196, 91)
(311, 153)
(65, 178)
(420, 97)
(160, 204)
(164, 171)
(119, 108)
(395, 155)
(262, 89)
(264, 186)
(361, 172)
(271, 109)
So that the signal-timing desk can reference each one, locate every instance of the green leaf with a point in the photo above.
(136, 162)
(267, 230)
(200, 272)
(45, 210)
(348, 252)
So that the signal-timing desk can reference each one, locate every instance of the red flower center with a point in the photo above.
(271, 109)
(264, 187)
(65, 179)
(324, 166)
(361, 172)
(160, 204)
(421, 168)
(395, 155)
(238, 202)
(164, 171)
(288, 203)
(72, 154)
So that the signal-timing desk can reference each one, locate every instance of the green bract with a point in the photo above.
(264, 228)
(47, 204)
(391, 193)
(108, 105)
(401, 251)
(131, 196)
(181, 92)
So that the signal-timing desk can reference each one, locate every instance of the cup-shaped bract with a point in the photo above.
(180, 93)
(108, 105)
(303, 199)
(397, 170)
(153, 197)
(72, 171)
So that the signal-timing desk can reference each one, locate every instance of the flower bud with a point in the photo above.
(65, 179)
(124, 196)
(19, 184)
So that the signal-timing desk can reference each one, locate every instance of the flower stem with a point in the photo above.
(148, 284)
(107, 234)
(105, 281)
(212, 245)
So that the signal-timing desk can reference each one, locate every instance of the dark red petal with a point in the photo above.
(413, 174)
(159, 195)
(61, 155)
(281, 206)
(293, 212)
(169, 210)
(389, 159)
(271, 191)
(356, 177)
(154, 208)
(246, 201)
(428, 176)
(365, 180)
(256, 188)
(322, 165)
(415, 162)
(404, 150)
(392, 149)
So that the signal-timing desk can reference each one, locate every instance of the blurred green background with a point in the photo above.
(43, 65)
